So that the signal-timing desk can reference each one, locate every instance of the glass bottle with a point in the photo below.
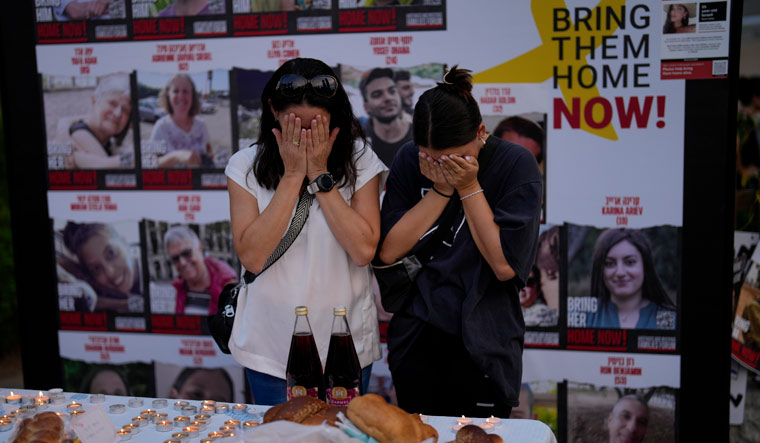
(304, 369)
(343, 372)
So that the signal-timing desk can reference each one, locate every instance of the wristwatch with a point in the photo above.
(322, 183)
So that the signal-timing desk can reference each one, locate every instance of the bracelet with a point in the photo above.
(441, 193)
(471, 194)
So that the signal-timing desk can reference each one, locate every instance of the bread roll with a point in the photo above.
(296, 409)
(46, 427)
(387, 423)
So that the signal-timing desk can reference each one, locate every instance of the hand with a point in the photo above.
(291, 141)
(77, 11)
(433, 171)
(319, 143)
(98, 7)
(460, 172)
(185, 157)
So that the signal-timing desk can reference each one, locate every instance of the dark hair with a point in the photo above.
(85, 386)
(163, 96)
(374, 74)
(267, 166)
(749, 87)
(401, 74)
(447, 115)
(76, 234)
(669, 26)
(651, 288)
(187, 372)
(524, 127)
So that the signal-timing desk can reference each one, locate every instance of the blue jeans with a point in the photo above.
(269, 390)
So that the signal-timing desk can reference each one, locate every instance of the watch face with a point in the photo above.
(325, 182)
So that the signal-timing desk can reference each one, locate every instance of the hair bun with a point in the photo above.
(458, 82)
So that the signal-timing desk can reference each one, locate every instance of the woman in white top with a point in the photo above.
(309, 136)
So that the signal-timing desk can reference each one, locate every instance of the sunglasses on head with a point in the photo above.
(293, 85)
(186, 254)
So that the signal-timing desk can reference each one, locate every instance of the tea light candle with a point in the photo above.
(208, 409)
(178, 405)
(222, 409)
(160, 403)
(124, 434)
(140, 421)
(200, 424)
(147, 413)
(40, 404)
(464, 420)
(423, 418)
(55, 391)
(229, 434)
(181, 420)
(250, 424)
(6, 425)
(233, 422)
(57, 399)
(164, 425)
(158, 416)
(42, 398)
(207, 440)
(10, 417)
(457, 427)
(135, 402)
(486, 426)
(208, 403)
(181, 435)
(227, 428)
(73, 406)
(133, 428)
(98, 398)
(13, 399)
(192, 430)
(240, 408)
(173, 440)
(204, 417)
(215, 434)
(117, 409)
(76, 412)
(189, 409)
(494, 420)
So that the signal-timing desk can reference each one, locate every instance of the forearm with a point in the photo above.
(260, 236)
(412, 226)
(486, 234)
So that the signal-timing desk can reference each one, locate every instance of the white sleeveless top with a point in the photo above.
(315, 272)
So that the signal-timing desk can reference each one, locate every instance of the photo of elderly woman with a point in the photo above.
(184, 120)
(88, 121)
(98, 266)
(176, 8)
(67, 10)
(677, 16)
(624, 278)
(189, 266)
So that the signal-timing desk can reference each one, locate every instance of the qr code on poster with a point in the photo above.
(720, 67)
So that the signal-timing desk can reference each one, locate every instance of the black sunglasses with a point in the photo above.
(293, 85)
(186, 254)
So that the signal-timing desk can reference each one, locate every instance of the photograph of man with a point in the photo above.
(405, 87)
(200, 279)
(525, 133)
(386, 128)
(628, 420)
(89, 10)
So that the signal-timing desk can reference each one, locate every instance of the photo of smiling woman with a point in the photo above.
(677, 18)
(632, 278)
(98, 267)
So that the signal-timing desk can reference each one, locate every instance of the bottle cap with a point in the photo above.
(302, 310)
(339, 310)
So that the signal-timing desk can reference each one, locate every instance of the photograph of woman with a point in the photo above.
(463, 326)
(99, 139)
(99, 255)
(677, 18)
(311, 139)
(625, 283)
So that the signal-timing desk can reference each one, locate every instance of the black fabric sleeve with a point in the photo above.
(401, 188)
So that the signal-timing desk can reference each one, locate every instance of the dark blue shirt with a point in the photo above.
(457, 291)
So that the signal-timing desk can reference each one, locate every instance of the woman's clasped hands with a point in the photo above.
(451, 172)
(304, 152)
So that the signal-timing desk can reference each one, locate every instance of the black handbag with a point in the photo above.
(220, 324)
(396, 280)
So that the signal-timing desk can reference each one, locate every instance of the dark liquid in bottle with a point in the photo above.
(304, 370)
(343, 372)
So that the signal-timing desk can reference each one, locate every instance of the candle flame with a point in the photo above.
(40, 394)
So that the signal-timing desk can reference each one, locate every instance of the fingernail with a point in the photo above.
(421, 155)
(467, 157)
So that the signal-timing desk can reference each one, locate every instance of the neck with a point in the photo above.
(182, 120)
(629, 304)
(201, 283)
(390, 132)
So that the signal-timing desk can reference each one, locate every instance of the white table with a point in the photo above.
(509, 430)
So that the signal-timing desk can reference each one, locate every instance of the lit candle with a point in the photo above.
(181, 420)
(457, 427)
(222, 409)
(200, 424)
(147, 413)
(240, 408)
(140, 421)
(42, 398)
(6, 425)
(179, 405)
(13, 399)
(204, 417)
(486, 426)
(208, 403)
(117, 409)
(73, 406)
(208, 409)
(160, 403)
(181, 435)
(228, 434)
(192, 430)
(494, 420)
(158, 416)
(207, 440)
(124, 434)
(215, 434)
(464, 420)
(98, 398)
(233, 422)
(8, 417)
(227, 428)
(250, 424)
(164, 425)
(131, 427)
(76, 412)
(40, 404)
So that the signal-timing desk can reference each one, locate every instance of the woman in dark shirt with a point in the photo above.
(456, 347)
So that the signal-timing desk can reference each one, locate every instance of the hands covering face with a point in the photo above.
(305, 151)
(450, 172)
